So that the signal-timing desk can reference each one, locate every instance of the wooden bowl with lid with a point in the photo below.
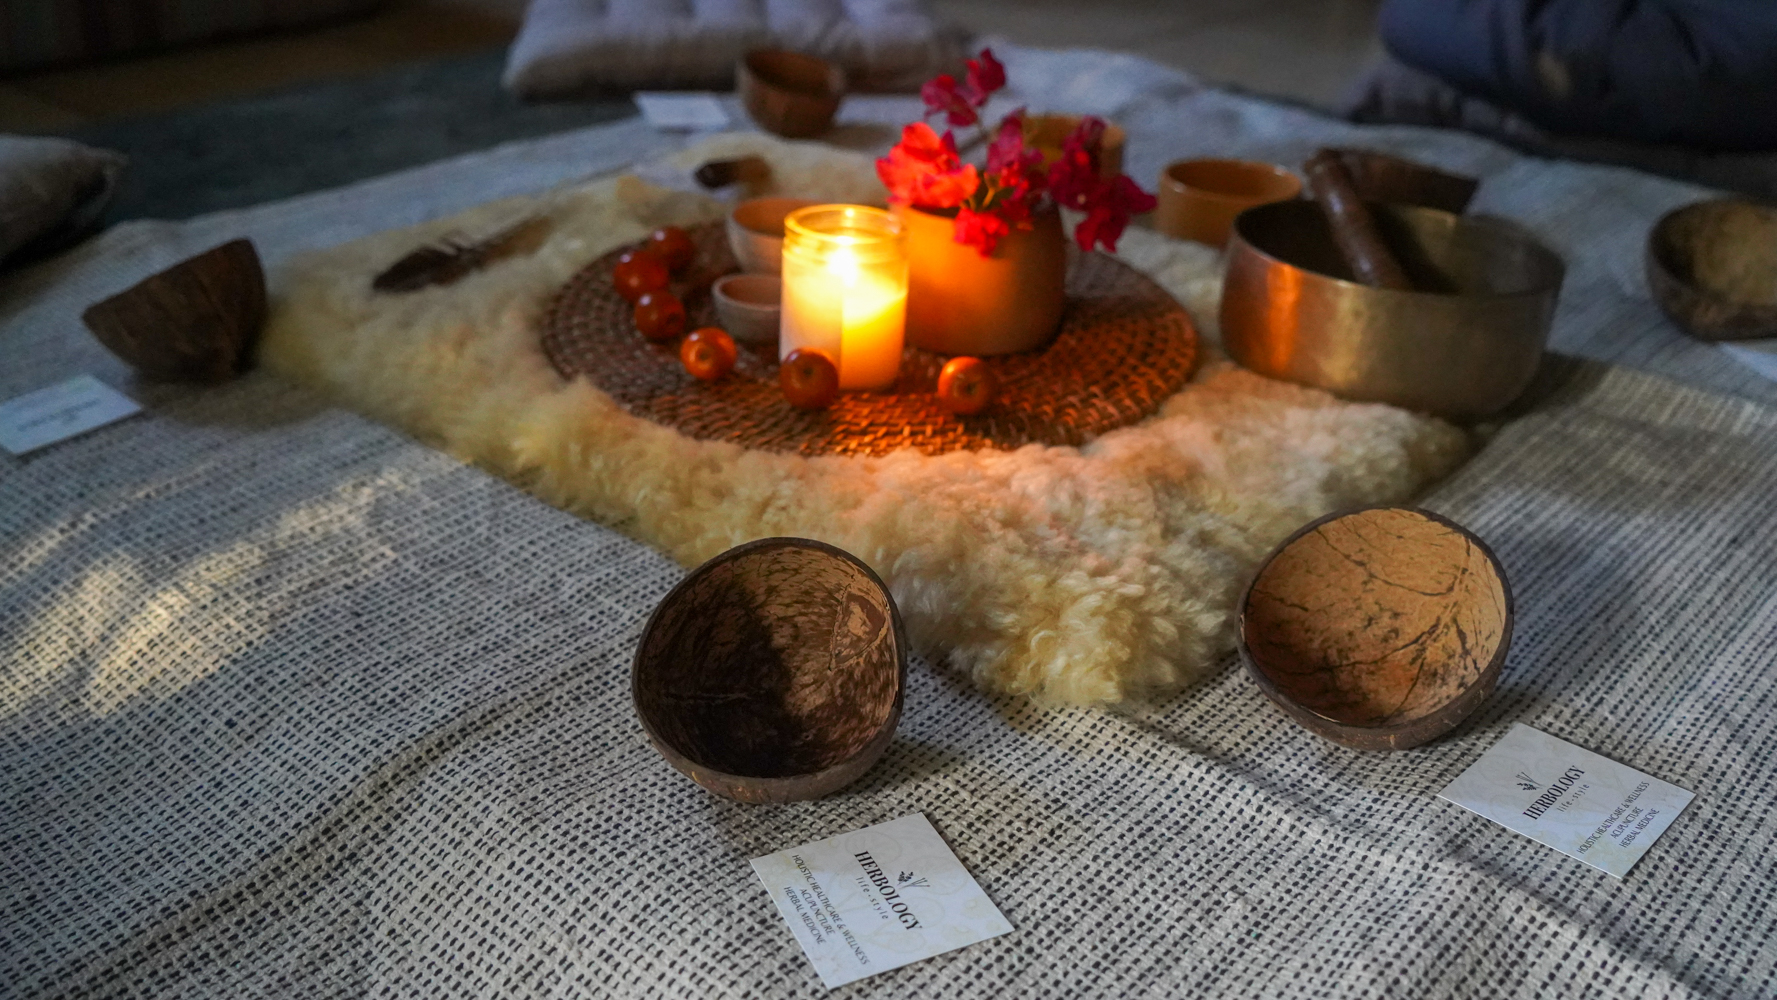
(1378, 629)
(775, 672)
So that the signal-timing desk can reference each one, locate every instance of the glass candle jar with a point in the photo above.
(845, 291)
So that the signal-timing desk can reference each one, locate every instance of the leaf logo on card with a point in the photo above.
(909, 881)
(1528, 783)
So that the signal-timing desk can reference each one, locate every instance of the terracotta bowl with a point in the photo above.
(790, 93)
(1712, 267)
(750, 306)
(775, 672)
(197, 321)
(1200, 198)
(1378, 629)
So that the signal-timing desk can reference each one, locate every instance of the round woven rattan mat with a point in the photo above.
(1124, 346)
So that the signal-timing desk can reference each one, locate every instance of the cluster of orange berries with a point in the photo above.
(809, 379)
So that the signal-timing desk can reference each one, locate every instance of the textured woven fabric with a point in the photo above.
(291, 706)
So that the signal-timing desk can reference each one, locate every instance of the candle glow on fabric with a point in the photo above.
(846, 295)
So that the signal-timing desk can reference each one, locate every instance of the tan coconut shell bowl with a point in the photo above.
(1712, 267)
(775, 672)
(1378, 629)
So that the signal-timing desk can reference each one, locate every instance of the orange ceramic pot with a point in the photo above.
(959, 302)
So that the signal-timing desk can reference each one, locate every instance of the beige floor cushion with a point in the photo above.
(568, 47)
(52, 192)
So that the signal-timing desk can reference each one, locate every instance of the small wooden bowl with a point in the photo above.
(1712, 267)
(790, 93)
(1378, 629)
(775, 672)
(750, 306)
(756, 232)
(197, 321)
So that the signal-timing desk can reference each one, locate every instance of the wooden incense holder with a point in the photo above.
(197, 321)
(1359, 242)
(774, 672)
(1378, 629)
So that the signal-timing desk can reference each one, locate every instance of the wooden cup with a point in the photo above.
(1200, 198)
(790, 93)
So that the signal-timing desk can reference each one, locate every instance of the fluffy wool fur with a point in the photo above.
(1087, 575)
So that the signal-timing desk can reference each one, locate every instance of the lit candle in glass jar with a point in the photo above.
(845, 291)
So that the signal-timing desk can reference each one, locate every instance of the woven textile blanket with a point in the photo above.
(293, 706)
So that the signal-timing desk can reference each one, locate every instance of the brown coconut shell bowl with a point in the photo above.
(197, 321)
(1378, 629)
(775, 672)
(1712, 267)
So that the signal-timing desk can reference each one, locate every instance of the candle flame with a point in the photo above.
(844, 265)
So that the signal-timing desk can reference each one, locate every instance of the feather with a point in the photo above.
(450, 258)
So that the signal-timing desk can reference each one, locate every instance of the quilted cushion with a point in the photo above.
(38, 33)
(52, 192)
(573, 46)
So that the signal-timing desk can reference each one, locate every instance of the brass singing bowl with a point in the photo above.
(1465, 345)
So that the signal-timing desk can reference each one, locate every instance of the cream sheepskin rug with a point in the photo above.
(1087, 575)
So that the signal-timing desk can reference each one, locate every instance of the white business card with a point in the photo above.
(877, 899)
(1583, 805)
(668, 111)
(59, 412)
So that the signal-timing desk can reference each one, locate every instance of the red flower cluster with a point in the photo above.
(1074, 182)
(961, 103)
(925, 169)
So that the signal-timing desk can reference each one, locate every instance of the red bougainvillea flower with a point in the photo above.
(961, 103)
(986, 75)
(981, 230)
(1074, 183)
(1010, 186)
(944, 97)
(1073, 177)
(1008, 154)
(924, 169)
(1109, 211)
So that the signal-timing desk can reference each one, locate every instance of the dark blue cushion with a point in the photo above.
(1690, 72)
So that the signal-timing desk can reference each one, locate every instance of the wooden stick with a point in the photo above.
(1354, 230)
